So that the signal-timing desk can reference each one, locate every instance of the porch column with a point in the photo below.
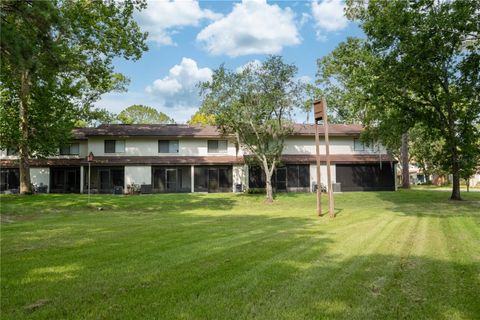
(82, 178)
(192, 177)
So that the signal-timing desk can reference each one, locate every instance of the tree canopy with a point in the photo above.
(419, 65)
(201, 117)
(140, 114)
(256, 106)
(56, 61)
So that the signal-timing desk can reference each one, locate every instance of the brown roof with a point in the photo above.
(159, 160)
(13, 163)
(204, 131)
(157, 130)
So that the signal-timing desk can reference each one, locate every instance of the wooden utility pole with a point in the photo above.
(319, 185)
(331, 204)
(320, 112)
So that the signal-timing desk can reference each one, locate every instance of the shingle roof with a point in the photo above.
(204, 131)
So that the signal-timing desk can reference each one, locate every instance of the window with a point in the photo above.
(114, 146)
(167, 146)
(12, 152)
(72, 149)
(358, 145)
(298, 176)
(217, 146)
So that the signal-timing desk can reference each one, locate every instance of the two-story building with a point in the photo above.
(196, 158)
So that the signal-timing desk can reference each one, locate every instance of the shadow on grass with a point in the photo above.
(14, 205)
(167, 254)
(431, 204)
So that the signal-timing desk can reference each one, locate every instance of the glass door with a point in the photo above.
(105, 180)
(213, 180)
(171, 178)
(281, 179)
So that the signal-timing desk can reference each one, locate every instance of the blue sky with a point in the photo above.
(189, 39)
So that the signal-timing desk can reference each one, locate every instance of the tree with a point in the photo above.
(56, 60)
(201, 117)
(423, 65)
(140, 114)
(256, 106)
(349, 77)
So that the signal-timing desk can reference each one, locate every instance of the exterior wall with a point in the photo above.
(338, 145)
(240, 176)
(323, 174)
(149, 147)
(40, 176)
(3, 155)
(475, 180)
(138, 175)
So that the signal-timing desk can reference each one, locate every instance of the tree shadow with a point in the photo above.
(430, 203)
(162, 255)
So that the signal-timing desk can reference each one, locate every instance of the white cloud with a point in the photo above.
(329, 16)
(253, 27)
(179, 87)
(117, 101)
(163, 18)
(252, 64)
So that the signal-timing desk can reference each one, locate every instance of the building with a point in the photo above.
(196, 158)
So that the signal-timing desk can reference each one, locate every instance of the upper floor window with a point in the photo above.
(167, 146)
(217, 146)
(114, 146)
(12, 152)
(71, 149)
(358, 145)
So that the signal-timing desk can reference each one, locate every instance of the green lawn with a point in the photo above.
(391, 255)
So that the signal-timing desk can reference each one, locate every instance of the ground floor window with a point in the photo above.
(105, 179)
(171, 179)
(213, 179)
(65, 179)
(9, 179)
(292, 177)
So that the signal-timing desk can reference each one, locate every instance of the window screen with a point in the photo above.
(168, 146)
(163, 146)
(358, 145)
(120, 146)
(12, 152)
(217, 146)
(109, 146)
(73, 148)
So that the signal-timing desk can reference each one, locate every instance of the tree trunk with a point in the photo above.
(269, 190)
(405, 164)
(455, 176)
(268, 181)
(25, 186)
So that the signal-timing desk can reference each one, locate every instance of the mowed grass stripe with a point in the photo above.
(227, 256)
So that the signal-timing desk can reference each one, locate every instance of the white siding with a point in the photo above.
(138, 175)
(239, 176)
(40, 176)
(149, 147)
(323, 174)
(338, 145)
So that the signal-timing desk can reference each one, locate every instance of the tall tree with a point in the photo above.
(256, 106)
(201, 117)
(56, 60)
(423, 61)
(138, 114)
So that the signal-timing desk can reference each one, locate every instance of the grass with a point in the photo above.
(391, 255)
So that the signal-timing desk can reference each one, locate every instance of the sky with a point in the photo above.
(189, 39)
